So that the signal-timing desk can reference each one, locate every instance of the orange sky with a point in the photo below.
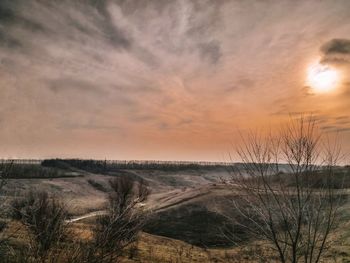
(169, 80)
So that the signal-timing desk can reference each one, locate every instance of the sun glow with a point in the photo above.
(322, 78)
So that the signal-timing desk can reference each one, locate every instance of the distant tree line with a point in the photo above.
(21, 171)
(105, 166)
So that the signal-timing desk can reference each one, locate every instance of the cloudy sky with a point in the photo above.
(164, 79)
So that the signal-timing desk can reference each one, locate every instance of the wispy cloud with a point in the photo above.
(179, 74)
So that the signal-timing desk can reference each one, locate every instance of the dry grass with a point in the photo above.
(82, 198)
(156, 249)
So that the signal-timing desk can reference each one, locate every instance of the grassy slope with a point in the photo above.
(82, 197)
(156, 249)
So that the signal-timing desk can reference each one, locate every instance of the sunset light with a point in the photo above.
(322, 78)
(174, 131)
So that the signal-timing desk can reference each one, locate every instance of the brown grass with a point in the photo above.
(157, 249)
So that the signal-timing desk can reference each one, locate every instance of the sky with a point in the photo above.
(165, 79)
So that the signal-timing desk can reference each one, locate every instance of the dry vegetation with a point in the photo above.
(40, 231)
(261, 213)
(295, 221)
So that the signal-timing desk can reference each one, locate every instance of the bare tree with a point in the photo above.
(122, 224)
(44, 217)
(294, 210)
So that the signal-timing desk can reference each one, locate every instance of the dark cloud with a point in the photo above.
(7, 15)
(116, 36)
(64, 22)
(307, 91)
(336, 46)
(336, 51)
(8, 41)
(10, 16)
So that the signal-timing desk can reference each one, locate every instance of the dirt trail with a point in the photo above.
(88, 215)
(160, 201)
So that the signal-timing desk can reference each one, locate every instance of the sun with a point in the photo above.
(322, 78)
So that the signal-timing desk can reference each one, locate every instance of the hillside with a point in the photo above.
(186, 226)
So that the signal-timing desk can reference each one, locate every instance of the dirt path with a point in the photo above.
(157, 204)
(92, 214)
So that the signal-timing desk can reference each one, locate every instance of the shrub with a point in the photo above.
(44, 217)
(120, 227)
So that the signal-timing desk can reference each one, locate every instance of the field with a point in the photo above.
(186, 203)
